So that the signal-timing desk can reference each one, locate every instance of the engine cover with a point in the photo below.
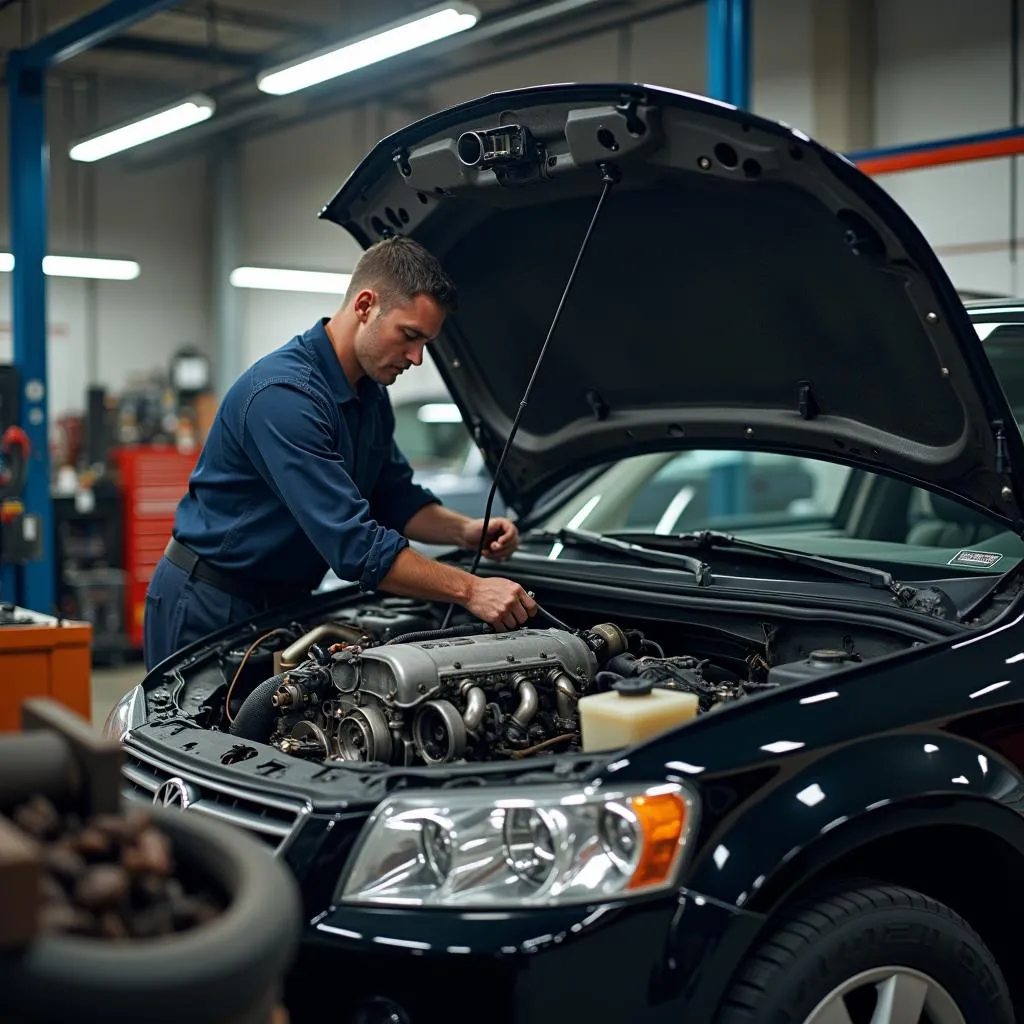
(433, 701)
(405, 675)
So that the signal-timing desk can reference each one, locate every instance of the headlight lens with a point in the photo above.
(538, 846)
(128, 713)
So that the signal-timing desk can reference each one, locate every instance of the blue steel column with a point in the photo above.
(739, 54)
(729, 60)
(26, 89)
(29, 178)
(729, 51)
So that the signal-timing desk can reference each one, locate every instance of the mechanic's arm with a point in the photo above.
(435, 524)
(415, 512)
(288, 436)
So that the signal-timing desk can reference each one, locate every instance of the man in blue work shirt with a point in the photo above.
(300, 471)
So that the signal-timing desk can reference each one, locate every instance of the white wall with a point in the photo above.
(945, 74)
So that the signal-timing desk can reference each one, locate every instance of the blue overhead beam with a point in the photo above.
(94, 28)
(29, 183)
(729, 51)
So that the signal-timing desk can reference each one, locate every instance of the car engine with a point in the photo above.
(464, 694)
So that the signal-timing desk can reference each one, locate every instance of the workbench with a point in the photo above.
(41, 656)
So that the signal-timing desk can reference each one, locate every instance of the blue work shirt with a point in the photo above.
(300, 471)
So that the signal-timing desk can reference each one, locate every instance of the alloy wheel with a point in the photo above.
(887, 995)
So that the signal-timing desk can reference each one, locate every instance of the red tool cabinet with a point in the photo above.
(153, 481)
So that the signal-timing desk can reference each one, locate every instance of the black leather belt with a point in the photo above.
(262, 596)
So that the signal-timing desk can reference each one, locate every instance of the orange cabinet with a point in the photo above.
(40, 658)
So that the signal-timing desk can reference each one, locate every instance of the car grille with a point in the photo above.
(270, 819)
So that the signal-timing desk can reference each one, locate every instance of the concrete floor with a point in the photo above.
(110, 684)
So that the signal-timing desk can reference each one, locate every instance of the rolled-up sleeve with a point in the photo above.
(396, 498)
(288, 436)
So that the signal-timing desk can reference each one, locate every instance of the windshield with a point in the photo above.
(803, 504)
(786, 501)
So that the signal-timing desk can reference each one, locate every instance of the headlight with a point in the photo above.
(129, 713)
(540, 845)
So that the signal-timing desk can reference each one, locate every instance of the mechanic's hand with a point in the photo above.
(502, 604)
(502, 537)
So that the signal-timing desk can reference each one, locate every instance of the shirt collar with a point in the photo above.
(323, 351)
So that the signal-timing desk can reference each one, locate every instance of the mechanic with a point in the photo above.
(300, 471)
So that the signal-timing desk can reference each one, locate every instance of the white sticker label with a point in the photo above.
(976, 559)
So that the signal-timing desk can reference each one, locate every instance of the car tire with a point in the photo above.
(857, 943)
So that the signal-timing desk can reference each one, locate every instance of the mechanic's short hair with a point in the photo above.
(399, 269)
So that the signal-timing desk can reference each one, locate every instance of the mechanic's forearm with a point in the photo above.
(412, 575)
(435, 524)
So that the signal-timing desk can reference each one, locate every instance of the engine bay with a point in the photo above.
(382, 683)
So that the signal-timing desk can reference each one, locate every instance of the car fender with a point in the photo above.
(847, 797)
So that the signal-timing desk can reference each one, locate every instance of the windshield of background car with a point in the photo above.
(431, 434)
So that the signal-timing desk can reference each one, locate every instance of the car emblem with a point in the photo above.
(173, 793)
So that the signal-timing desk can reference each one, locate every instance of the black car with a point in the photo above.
(836, 836)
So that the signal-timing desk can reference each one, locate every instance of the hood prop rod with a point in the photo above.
(609, 177)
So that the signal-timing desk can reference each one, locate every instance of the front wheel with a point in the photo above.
(868, 953)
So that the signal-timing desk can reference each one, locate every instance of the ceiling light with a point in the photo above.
(274, 279)
(173, 118)
(87, 266)
(80, 266)
(399, 37)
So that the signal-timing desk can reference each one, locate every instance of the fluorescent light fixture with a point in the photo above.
(87, 266)
(92, 267)
(277, 280)
(427, 26)
(439, 412)
(172, 118)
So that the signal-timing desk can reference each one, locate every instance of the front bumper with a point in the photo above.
(650, 960)
(664, 960)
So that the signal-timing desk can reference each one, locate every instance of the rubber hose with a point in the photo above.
(468, 629)
(255, 718)
(604, 680)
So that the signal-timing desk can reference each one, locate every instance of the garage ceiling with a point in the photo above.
(218, 46)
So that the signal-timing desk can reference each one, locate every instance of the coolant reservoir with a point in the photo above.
(634, 711)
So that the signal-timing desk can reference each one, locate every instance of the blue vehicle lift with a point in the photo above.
(729, 51)
(32, 585)
(728, 79)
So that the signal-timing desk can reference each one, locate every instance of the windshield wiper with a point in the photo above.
(636, 552)
(930, 600)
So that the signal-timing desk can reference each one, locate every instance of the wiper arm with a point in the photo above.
(636, 552)
(877, 578)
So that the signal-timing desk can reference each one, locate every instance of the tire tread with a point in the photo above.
(805, 922)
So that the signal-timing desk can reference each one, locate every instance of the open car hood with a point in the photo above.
(744, 287)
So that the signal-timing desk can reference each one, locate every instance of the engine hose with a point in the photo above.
(554, 620)
(467, 629)
(255, 718)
